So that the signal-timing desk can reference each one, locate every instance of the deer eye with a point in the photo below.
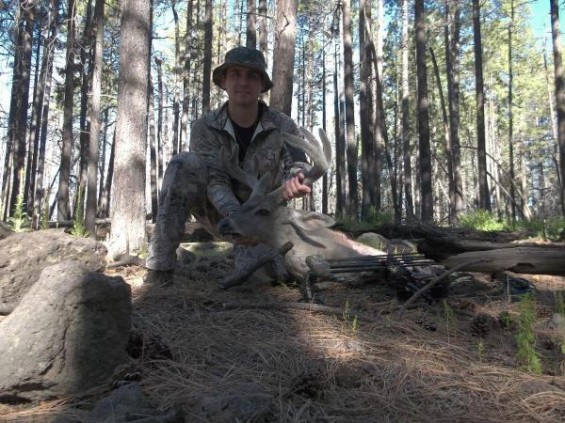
(262, 212)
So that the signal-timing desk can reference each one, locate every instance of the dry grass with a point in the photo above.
(316, 366)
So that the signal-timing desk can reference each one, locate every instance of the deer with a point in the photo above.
(264, 218)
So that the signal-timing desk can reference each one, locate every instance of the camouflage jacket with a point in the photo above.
(267, 152)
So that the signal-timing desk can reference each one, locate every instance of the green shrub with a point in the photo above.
(526, 337)
(79, 228)
(483, 220)
(19, 221)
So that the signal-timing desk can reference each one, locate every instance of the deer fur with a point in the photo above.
(262, 217)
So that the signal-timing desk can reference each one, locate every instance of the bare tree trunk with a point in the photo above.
(406, 114)
(365, 99)
(187, 63)
(559, 97)
(43, 115)
(32, 139)
(63, 207)
(91, 198)
(351, 153)
(452, 36)
(251, 39)
(283, 56)
(340, 175)
(105, 198)
(426, 191)
(263, 27)
(17, 125)
(128, 198)
(511, 115)
(86, 48)
(176, 83)
(484, 194)
(207, 71)
(101, 186)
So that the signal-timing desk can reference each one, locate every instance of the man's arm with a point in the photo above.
(220, 190)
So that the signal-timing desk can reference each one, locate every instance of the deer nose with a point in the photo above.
(224, 226)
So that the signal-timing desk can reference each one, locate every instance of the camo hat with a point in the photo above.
(247, 57)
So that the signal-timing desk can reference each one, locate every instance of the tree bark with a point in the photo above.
(17, 125)
(369, 178)
(406, 148)
(91, 199)
(251, 39)
(43, 115)
(283, 56)
(351, 142)
(426, 190)
(559, 97)
(484, 194)
(128, 198)
(63, 207)
(207, 71)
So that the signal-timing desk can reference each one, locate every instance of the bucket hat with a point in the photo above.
(247, 57)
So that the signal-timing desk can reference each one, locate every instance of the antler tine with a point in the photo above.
(318, 150)
(234, 171)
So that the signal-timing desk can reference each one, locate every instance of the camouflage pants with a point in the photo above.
(183, 192)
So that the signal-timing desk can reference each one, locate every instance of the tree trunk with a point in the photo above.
(559, 97)
(187, 63)
(128, 198)
(484, 194)
(338, 125)
(251, 39)
(63, 207)
(91, 199)
(43, 116)
(32, 140)
(86, 46)
(452, 36)
(407, 149)
(207, 71)
(17, 125)
(283, 56)
(351, 142)
(365, 99)
(426, 191)
(176, 83)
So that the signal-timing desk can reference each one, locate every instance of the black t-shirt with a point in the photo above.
(243, 137)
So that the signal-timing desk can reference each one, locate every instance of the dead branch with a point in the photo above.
(431, 284)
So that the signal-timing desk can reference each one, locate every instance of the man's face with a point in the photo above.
(243, 85)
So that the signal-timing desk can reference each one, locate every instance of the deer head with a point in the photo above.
(262, 215)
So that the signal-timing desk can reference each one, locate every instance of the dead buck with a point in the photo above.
(264, 218)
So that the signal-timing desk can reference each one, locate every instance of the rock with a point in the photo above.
(5, 230)
(24, 255)
(68, 334)
(129, 404)
(244, 403)
(374, 240)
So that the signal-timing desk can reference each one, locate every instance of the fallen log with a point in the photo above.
(529, 260)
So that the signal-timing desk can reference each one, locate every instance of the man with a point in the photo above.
(197, 183)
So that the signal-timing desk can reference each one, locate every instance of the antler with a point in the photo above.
(319, 151)
(233, 170)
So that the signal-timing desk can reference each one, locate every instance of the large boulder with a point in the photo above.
(68, 334)
(24, 255)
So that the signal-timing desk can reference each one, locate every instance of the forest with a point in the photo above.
(438, 110)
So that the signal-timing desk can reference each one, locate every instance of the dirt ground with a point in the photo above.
(354, 359)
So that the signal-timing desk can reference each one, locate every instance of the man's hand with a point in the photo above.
(294, 188)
